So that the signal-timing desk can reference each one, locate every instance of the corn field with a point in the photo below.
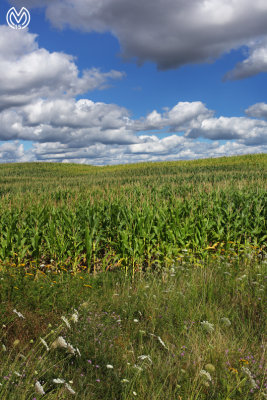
(131, 217)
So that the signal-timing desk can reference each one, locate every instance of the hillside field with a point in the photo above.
(139, 281)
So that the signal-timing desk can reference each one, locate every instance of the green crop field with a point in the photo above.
(158, 268)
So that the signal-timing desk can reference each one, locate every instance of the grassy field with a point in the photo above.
(159, 273)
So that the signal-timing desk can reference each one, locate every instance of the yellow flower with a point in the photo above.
(88, 286)
(242, 360)
(233, 370)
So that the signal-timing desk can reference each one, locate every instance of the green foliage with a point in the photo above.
(133, 216)
(181, 314)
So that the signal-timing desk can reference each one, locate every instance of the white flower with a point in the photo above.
(208, 327)
(58, 380)
(59, 342)
(137, 367)
(75, 316)
(226, 321)
(162, 343)
(134, 393)
(136, 320)
(249, 375)
(64, 319)
(125, 381)
(45, 344)
(205, 374)
(18, 313)
(39, 388)
(144, 357)
(109, 366)
(70, 349)
(69, 388)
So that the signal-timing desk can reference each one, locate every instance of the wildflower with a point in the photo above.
(134, 393)
(162, 343)
(18, 314)
(137, 367)
(233, 370)
(144, 357)
(205, 374)
(69, 388)
(45, 344)
(249, 375)
(242, 360)
(75, 316)
(208, 327)
(58, 380)
(136, 320)
(64, 319)
(59, 342)
(125, 381)
(225, 321)
(70, 348)
(39, 388)
(109, 366)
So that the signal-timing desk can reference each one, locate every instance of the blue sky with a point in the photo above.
(171, 89)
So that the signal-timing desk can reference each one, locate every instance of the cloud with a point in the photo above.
(248, 131)
(150, 148)
(258, 110)
(76, 123)
(37, 104)
(14, 152)
(175, 119)
(28, 72)
(72, 127)
(170, 33)
(255, 63)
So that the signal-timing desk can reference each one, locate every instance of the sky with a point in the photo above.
(106, 82)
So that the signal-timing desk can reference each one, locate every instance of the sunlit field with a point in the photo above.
(143, 281)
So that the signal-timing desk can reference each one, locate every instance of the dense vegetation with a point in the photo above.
(160, 269)
(133, 216)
